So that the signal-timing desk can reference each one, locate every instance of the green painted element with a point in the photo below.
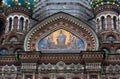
(1, 11)
(29, 4)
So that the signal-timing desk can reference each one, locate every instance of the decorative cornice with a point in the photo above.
(107, 8)
(18, 9)
(97, 3)
(90, 56)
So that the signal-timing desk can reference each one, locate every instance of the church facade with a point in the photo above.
(52, 39)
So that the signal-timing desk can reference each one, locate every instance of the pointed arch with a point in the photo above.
(61, 21)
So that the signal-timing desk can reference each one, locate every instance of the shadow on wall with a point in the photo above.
(1, 27)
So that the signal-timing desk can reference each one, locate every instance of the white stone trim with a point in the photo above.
(105, 16)
(18, 16)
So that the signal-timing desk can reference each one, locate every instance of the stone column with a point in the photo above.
(18, 24)
(100, 25)
(7, 27)
(106, 23)
(97, 24)
(24, 24)
(33, 75)
(117, 27)
(112, 23)
(119, 23)
(12, 24)
(99, 76)
(23, 76)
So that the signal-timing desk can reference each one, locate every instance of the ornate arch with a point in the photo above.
(115, 34)
(65, 22)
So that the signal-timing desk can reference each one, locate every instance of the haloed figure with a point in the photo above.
(61, 39)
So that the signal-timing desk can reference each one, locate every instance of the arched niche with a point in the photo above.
(110, 38)
(13, 69)
(5, 68)
(4, 51)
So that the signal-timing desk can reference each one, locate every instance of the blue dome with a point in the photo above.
(29, 4)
